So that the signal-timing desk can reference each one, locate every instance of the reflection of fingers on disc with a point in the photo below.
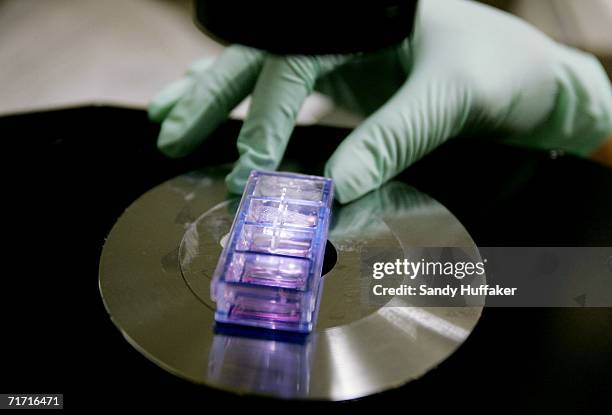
(155, 274)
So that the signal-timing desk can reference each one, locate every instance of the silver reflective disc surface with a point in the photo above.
(155, 274)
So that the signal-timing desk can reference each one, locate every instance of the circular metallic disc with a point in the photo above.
(155, 276)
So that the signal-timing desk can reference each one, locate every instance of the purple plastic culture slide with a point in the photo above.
(269, 273)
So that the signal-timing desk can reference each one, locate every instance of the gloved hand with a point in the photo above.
(468, 68)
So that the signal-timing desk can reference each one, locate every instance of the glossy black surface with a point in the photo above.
(69, 174)
(319, 27)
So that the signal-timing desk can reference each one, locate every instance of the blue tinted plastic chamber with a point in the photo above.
(269, 273)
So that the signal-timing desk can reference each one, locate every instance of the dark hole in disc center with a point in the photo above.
(330, 258)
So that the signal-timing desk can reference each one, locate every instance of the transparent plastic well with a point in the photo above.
(269, 273)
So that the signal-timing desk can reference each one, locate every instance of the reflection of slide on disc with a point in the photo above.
(155, 276)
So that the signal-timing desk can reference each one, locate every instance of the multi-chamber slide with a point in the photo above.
(269, 273)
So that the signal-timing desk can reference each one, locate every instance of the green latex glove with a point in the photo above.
(468, 68)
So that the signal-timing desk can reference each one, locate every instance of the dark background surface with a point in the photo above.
(69, 175)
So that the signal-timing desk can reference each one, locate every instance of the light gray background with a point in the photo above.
(61, 53)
